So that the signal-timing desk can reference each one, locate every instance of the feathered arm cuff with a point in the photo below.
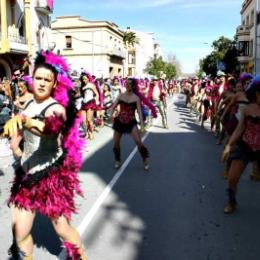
(53, 125)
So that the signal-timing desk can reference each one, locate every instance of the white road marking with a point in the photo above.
(92, 212)
(88, 218)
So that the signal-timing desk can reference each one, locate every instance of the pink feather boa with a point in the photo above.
(53, 196)
(144, 100)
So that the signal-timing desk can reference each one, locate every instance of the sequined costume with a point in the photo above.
(47, 179)
(126, 120)
(248, 147)
(88, 98)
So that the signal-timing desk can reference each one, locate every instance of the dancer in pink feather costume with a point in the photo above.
(47, 179)
(126, 123)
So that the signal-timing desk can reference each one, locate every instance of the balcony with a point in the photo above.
(44, 6)
(244, 59)
(243, 30)
(242, 33)
(117, 53)
(17, 43)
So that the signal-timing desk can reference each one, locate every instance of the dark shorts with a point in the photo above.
(242, 153)
(124, 128)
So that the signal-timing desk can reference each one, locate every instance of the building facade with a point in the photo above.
(141, 53)
(257, 45)
(24, 29)
(144, 52)
(246, 36)
(96, 46)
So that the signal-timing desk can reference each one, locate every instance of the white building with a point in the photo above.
(145, 50)
(246, 36)
(24, 30)
(96, 46)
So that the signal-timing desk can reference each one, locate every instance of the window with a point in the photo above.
(244, 22)
(258, 18)
(243, 48)
(131, 58)
(68, 42)
(247, 20)
(251, 48)
(21, 27)
(252, 17)
(130, 72)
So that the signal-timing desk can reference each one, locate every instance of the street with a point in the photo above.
(172, 212)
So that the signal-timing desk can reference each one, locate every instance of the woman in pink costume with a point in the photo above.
(244, 144)
(125, 122)
(47, 179)
(90, 102)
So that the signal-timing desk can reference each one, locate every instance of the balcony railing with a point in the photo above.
(12, 37)
(44, 6)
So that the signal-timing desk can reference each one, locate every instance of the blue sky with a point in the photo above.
(185, 28)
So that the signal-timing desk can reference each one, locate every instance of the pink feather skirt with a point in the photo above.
(91, 105)
(52, 196)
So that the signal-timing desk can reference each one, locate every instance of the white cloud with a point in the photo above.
(203, 4)
(144, 4)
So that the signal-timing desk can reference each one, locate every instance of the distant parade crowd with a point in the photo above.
(46, 117)
(232, 107)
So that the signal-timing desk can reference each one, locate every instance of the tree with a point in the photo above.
(220, 47)
(209, 64)
(130, 38)
(170, 71)
(223, 53)
(230, 59)
(155, 67)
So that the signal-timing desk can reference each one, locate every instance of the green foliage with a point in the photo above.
(170, 71)
(130, 38)
(157, 67)
(222, 52)
(220, 47)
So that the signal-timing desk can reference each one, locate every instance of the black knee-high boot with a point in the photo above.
(117, 155)
(143, 151)
(144, 154)
(232, 203)
(16, 252)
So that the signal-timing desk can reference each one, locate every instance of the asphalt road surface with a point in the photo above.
(172, 212)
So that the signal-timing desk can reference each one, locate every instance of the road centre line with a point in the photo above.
(88, 218)
(82, 227)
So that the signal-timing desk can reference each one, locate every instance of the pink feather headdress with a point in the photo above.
(28, 81)
(64, 83)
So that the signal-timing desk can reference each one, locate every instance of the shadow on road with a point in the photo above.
(175, 210)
